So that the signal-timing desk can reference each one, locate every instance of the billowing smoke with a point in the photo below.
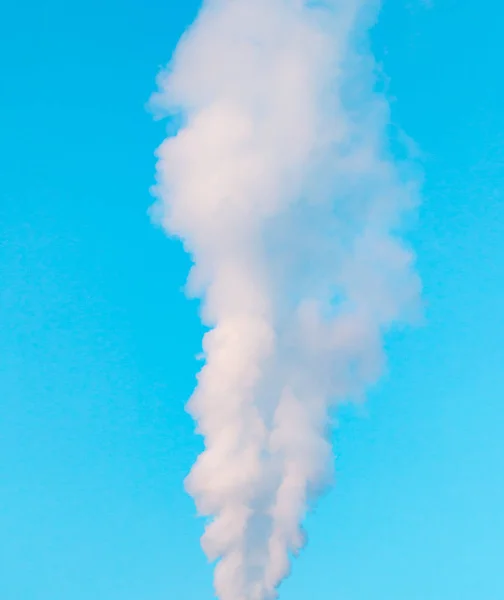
(281, 188)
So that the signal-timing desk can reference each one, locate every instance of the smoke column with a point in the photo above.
(280, 185)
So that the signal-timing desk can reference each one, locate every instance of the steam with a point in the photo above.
(280, 186)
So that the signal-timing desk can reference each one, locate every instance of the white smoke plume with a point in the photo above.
(280, 185)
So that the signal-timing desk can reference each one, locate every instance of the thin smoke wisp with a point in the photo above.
(280, 186)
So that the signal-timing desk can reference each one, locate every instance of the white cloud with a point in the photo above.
(281, 189)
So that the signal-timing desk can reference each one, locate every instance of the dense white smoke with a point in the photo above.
(280, 186)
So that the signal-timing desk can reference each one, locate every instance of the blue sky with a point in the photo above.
(98, 341)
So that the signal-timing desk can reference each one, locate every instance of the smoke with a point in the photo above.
(280, 185)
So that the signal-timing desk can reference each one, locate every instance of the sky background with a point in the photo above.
(97, 341)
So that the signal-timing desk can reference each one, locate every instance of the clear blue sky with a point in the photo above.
(97, 341)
